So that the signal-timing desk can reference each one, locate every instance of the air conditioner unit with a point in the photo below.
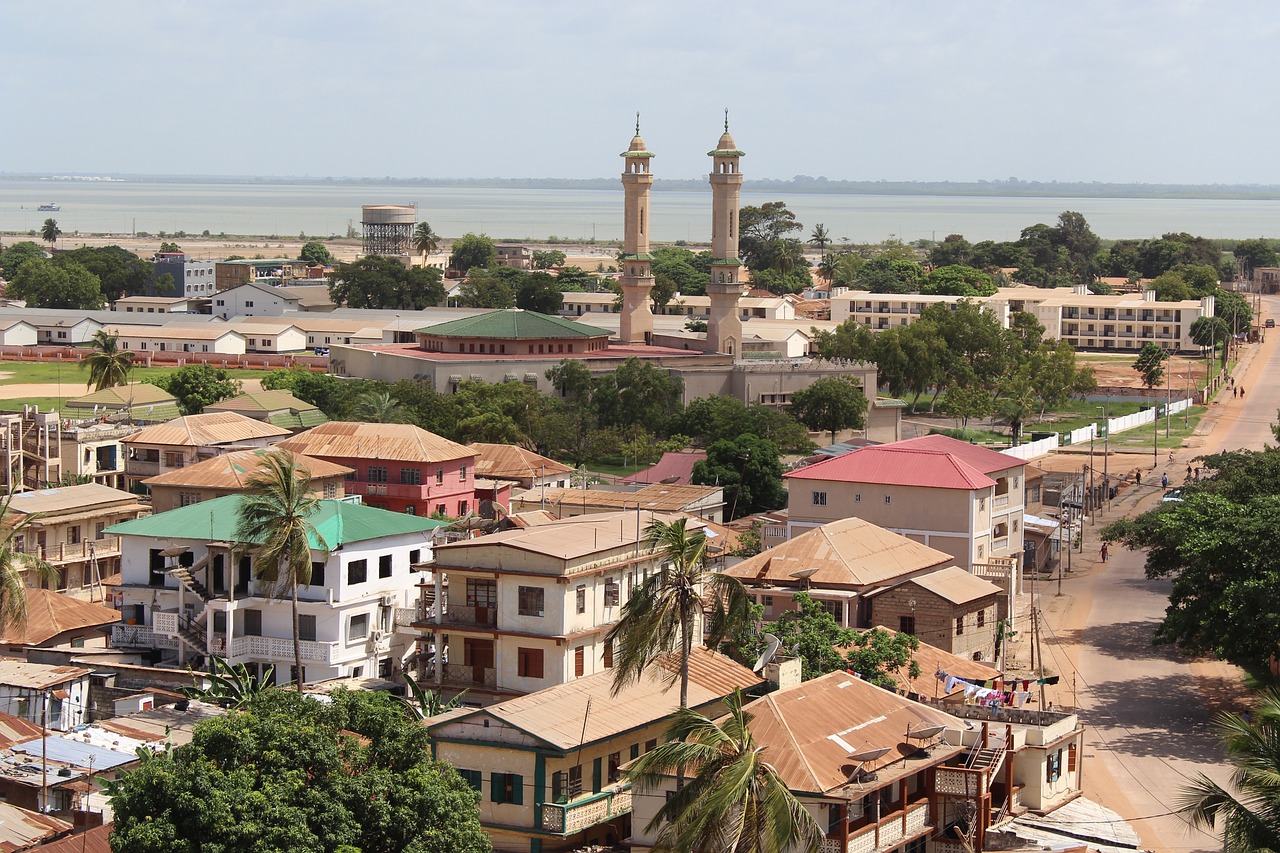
(388, 600)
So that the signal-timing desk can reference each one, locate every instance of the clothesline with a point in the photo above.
(994, 691)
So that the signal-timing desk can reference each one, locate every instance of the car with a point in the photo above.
(1173, 496)
(1270, 324)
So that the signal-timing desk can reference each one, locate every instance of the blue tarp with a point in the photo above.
(76, 753)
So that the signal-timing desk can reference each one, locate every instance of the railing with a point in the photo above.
(138, 637)
(407, 616)
(63, 551)
(392, 490)
(1000, 501)
(483, 617)
(574, 817)
(890, 830)
(473, 675)
(276, 648)
(1001, 544)
(141, 468)
(165, 623)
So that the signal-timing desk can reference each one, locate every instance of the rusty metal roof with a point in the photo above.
(50, 613)
(19, 673)
(233, 470)
(566, 539)
(511, 462)
(955, 585)
(393, 442)
(211, 428)
(657, 497)
(50, 503)
(849, 553)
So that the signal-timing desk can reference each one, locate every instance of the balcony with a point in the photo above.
(63, 552)
(470, 676)
(471, 617)
(140, 637)
(273, 649)
(142, 468)
(570, 818)
(1000, 501)
(870, 836)
(388, 490)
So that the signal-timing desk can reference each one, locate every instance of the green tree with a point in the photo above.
(426, 704)
(275, 517)
(967, 403)
(576, 280)
(954, 249)
(1150, 364)
(167, 248)
(50, 232)
(16, 255)
(735, 803)
(108, 365)
(811, 633)
(1171, 287)
(1016, 401)
(664, 287)
(493, 287)
(1234, 309)
(379, 407)
(851, 340)
(820, 238)
(119, 271)
(957, 280)
(1211, 333)
(1255, 253)
(316, 254)
(689, 271)
(889, 275)
(638, 392)
(761, 232)
(545, 260)
(375, 281)
(229, 686)
(539, 292)
(470, 251)
(331, 395)
(831, 404)
(46, 284)
(425, 240)
(877, 654)
(663, 616)
(1081, 245)
(749, 469)
(197, 386)
(292, 774)
(16, 531)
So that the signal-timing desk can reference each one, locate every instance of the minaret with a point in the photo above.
(636, 326)
(724, 327)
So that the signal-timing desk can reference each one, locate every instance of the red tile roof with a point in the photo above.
(984, 459)
(898, 467)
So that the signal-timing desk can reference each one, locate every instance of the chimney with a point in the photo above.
(1148, 296)
(782, 672)
(1080, 290)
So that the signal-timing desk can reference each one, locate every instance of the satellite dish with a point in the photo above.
(770, 650)
(804, 574)
(925, 733)
(869, 754)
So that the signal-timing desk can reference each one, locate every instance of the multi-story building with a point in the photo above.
(524, 468)
(188, 590)
(947, 608)
(961, 499)
(197, 278)
(706, 502)
(528, 609)
(516, 257)
(229, 474)
(185, 441)
(228, 274)
(399, 467)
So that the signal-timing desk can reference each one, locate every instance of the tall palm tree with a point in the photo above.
(426, 240)
(50, 232)
(1249, 815)
(735, 803)
(274, 515)
(379, 407)
(820, 238)
(108, 365)
(663, 614)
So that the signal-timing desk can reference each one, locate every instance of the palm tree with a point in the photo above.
(820, 238)
(108, 365)
(735, 803)
(13, 560)
(1249, 815)
(274, 515)
(379, 407)
(426, 240)
(229, 686)
(662, 615)
(50, 232)
(426, 704)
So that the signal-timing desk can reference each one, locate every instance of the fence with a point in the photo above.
(167, 358)
(1034, 449)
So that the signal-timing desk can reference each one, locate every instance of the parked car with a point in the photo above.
(1172, 496)
(1270, 324)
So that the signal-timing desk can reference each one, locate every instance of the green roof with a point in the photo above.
(135, 393)
(643, 256)
(513, 324)
(305, 419)
(337, 522)
(726, 153)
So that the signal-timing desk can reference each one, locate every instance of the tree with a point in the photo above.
(811, 633)
(954, 249)
(168, 248)
(689, 271)
(15, 532)
(50, 232)
(538, 292)
(1171, 287)
(888, 275)
(820, 238)
(1150, 364)
(493, 287)
(967, 403)
(665, 612)
(1016, 401)
(108, 365)
(877, 654)
(16, 255)
(288, 773)
(1211, 333)
(545, 260)
(425, 240)
(1234, 309)
(331, 395)
(1074, 235)
(471, 251)
(230, 686)
(426, 704)
(638, 392)
(831, 404)
(46, 284)
(375, 281)
(957, 280)
(735, 803)
(379, 407)
(576, 280)
(749, 469)
(316, 254)
(197, 386)
(274, 516)
(119, 271)
(1255, 253)
(761, 231)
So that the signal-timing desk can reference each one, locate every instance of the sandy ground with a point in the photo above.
(42, 389)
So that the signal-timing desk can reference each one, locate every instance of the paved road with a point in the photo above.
(1147, 709)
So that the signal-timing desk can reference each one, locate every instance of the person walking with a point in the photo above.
(1188, 472)
(1104, 552)
(1164, 480)
(1241, 392)
(1138, 477)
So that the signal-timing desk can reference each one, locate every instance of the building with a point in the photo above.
(56, 696)
(158, 305)
(516, 257)
(18, 333)
(548, 765)
(675, 468)
(190, 439)
(229, 474)
(637, 275)
(839, 564)
(135, 401)
(188, 591)
(512, 331)
(705, 502)
(229, 274)
(388, 230)
(964, 500)
(524, 468)
(197, 279)
(255, 299)
(399, 467)
(278, 337)
(278, 408)
(57, 620)
(172, 337)
(31, 445)
(947, 608)
(66, 528)
(527, 609)
(724, 325)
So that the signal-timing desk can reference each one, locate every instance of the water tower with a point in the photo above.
(388, 229)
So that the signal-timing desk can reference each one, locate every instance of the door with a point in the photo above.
(219, 573)
(243, 573)
(479, 655)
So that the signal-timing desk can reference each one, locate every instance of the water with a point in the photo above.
(324, 209)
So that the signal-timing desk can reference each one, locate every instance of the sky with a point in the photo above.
(1074, 90)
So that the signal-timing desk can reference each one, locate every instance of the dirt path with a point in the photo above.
(42, 389)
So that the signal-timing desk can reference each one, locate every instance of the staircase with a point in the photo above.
(187, 577)
(190, 634)
(986, 758)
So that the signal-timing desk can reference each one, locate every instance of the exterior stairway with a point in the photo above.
(987, 758)
(187, 577)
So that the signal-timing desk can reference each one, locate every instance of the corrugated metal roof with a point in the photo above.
(513, 324)
(675, 467)
(233, 470)
(849, 553)
(50, 613)
(890, 466)
(135, 394)
(205, 430)
(985, 460)
(262, 401)
(336, 522)
(956, 585)
(96, 840)
(19, 673)
(396, 442)
(21, 829)
(657, 497)
(587, 710)
(172, 331)
(566, 539)
(15, 730)
(75, 753)
(68, 498)
(511, 462)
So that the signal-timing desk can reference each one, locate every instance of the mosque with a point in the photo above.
(521, 346)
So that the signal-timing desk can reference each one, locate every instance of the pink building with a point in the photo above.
(399, 467)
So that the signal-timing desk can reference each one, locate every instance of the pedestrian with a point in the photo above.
(1188, 472)
(1170, 457)
(1138, 477)
(1235, 392)
(1164, 480)
(1104, 552)
(1241, 392)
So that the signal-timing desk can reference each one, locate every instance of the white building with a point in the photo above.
(254, 299)
(197, 279)
(188, 591)
(205, 338)
(32, 691)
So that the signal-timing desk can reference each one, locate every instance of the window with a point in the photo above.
(248, 304)
(415, 556)
(330, 491)
(615, 764)
(635, 751)
(73, 534)
(253, 623)
(857, 499)
(384, 566)
(819, 498)
(506, 788)
(439, 476)
(357, 571)
(579, 661)
(462, 474)
(959, 625)
(463, 506)
(581, 593)
(529, 663)
(317, 574)
(531, 601)
(377, 473)
(1071, 758)
(612, 593)
(411, 476)
(307, 627)
(482, 593)
(358, 629)
(982, 618)
(1053, 766)
(440, 510)
(906, 624)
(651, 745)
(888, 499)
(608, 654)
(474, 778)
(575, 780)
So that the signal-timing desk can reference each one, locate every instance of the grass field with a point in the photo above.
(70, 373)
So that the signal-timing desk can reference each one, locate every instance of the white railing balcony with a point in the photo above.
(140, 637)
(407, 616)
(247, 648)
(569, 818)
(1000, 501)
(165, 623)
(891, 830)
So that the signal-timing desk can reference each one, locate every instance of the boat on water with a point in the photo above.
(51, 206)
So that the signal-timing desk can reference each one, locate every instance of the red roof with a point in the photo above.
(982, 458)
(934, 461)
(675, 467)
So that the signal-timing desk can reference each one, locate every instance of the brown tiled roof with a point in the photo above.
(395, 442)
(658, 498)
(232, 470)
(62, 499)
(956, 585)
(506, 461)
(565, 539)
(847, 553)
(204, 430)
(50, 613)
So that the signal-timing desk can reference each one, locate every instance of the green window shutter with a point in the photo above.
(635, 751)
(517, 789)
(596, 775)
(495, 788)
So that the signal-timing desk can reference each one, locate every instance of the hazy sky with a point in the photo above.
(1069, 90)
